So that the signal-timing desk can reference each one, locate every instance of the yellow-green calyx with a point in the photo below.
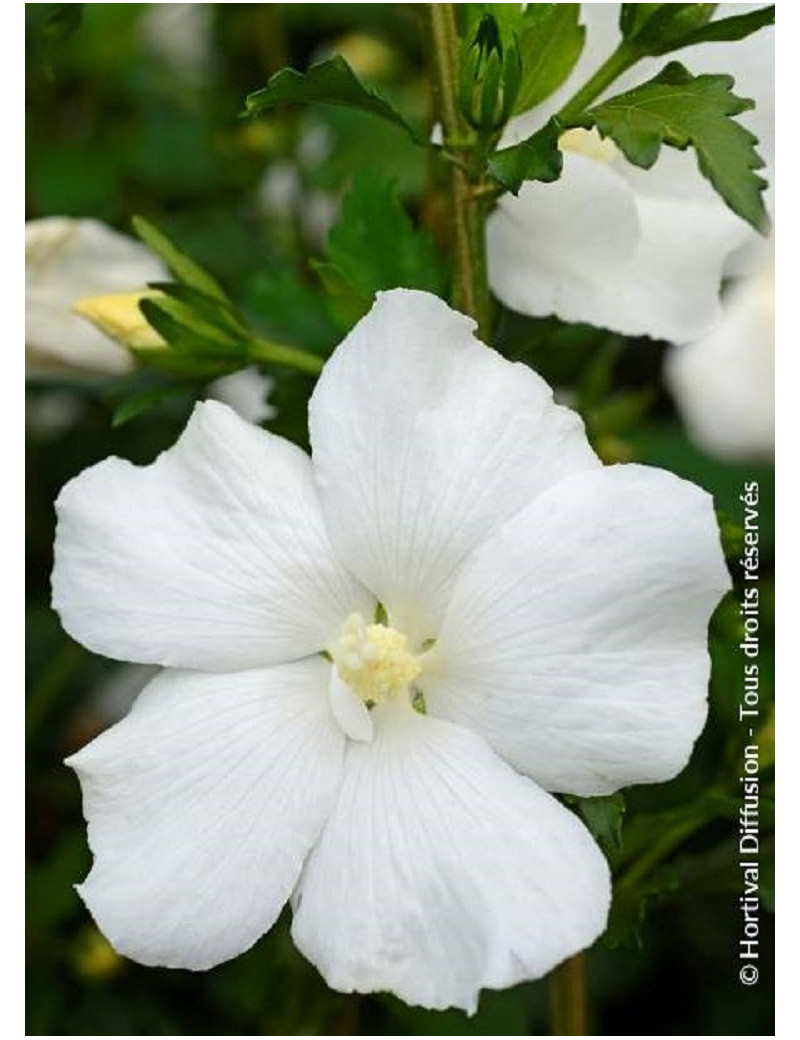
(373, 660)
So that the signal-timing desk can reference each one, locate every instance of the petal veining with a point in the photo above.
(213, 557)
(202, 805)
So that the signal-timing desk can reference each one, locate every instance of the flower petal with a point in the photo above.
(575, 641)
(586, 220)
(658, 275)
(214, 557)
(424, 440)
(348, 709)
(442, 871)
(202, 805)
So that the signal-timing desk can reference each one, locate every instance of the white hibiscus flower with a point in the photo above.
(724, 383)
(66, 260)
(379, 662)
(641, 252)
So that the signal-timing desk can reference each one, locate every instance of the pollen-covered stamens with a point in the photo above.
(374, 660)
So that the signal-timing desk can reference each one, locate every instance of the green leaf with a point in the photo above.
(658, 28)
(331, 82)
(291, 310)
(655, 29)
(373, 246)
(682, 110)
(178, 365)
(537, 158)
(209, 309)
(731, 534)
(145, 402)
(603, 817)
(727, 30)
(184, 269)
(550, 43)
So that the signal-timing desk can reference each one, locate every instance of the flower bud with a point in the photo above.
(119, 317)
(490, 78)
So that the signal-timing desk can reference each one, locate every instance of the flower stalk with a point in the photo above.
(620, 61)
(568, 997)
(268, 352)
(468, 206)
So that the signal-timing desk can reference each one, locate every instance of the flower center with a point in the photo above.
(374, 660)
(588, 143)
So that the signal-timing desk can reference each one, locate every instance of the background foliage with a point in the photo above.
(120, 123)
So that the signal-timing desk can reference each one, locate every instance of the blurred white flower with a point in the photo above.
(641, 252)
(65, 261)
(180, 34)
(541, 628)
(724, 383)
(246, 392)
(282, 197)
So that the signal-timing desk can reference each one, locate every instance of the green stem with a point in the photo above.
(470, 280)
(568, 998)
(620, 61)
(267, 351)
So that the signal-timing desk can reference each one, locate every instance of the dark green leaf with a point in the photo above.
(291, 310)
(658, 28)
(208, 309)
(186, 333)
(184, 269)
(550, 43)
(603, 817)
(331, 82)
(375, 246)
(188, 366)
(682, 110)
(729, 29)
(538, 158)
(144, 402)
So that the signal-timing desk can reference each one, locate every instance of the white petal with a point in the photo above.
(213, 557)
(441, 871)
(575, 641)
(66, 260)
(661, 279)
(348, 709)
(584, 220)
(724, 384)
(423, 441)
(202, 805)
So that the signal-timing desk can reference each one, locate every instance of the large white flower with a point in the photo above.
(453, 545)
(724, 383)
(68, 259)
(641, 252)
